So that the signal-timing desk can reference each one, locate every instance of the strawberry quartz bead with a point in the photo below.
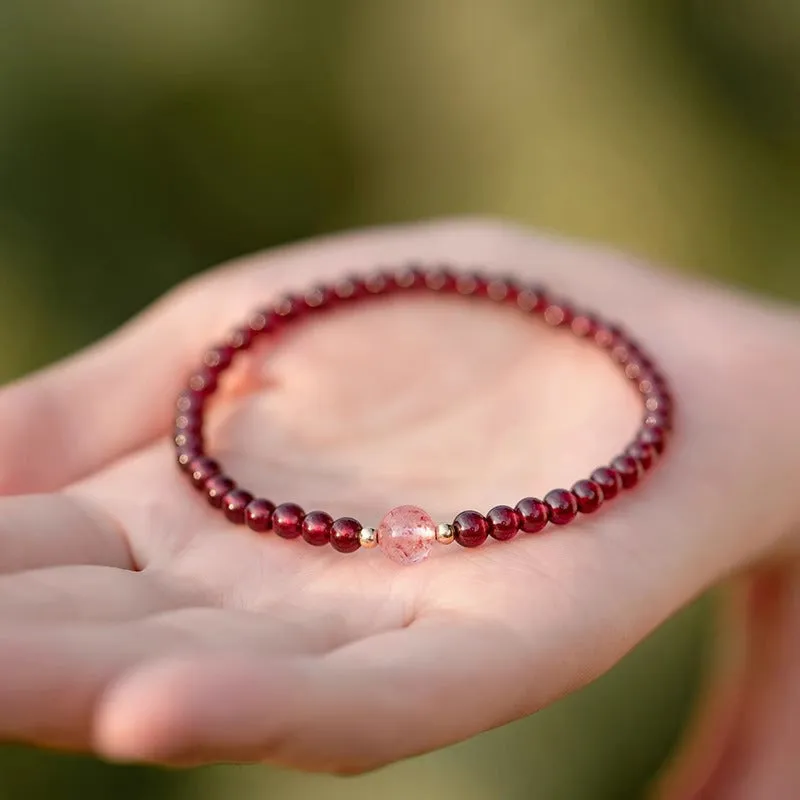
(287, 520)
(609, 481)
(317, 528)
(562, 506)
(588, 495)
(503, 523)
(406, 535)
(345, 535)
(470, 529)
(533, 514)
(258, 515)
(234, 505)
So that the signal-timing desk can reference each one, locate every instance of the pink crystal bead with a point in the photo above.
(406, 535)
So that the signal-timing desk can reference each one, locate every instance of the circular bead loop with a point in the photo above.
(407, 533)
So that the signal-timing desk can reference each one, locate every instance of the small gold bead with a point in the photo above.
(445, 533)
(368, 537)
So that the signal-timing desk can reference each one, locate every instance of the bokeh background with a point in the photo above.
(141, 142)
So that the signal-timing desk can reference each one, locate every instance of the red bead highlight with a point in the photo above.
(287, 520)
(503, 523)
(234, 504)
(629, 470)
(609, 481)
(217, 487)
(533, 514)
(317, 528)
(588, 496)
(562, 506)
(470, 529)
(345, 535)
(258, 515)
(654, 436)
(203, 468)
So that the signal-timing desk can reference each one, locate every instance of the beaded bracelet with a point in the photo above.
(406, 533)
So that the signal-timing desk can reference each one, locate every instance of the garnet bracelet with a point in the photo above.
(406, 533)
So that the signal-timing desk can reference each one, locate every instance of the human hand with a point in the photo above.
(135, 622)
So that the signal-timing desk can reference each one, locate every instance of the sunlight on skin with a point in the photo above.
(226, 645)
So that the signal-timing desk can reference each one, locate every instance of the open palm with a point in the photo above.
(146, 626)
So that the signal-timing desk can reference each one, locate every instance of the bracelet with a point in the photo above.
(406, 534)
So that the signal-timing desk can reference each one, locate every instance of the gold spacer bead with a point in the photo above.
(368, 537)
(445, 533)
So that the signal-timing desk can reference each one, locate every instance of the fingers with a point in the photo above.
(364, 705)
(54, 677)
(51, 678)
(50, 530)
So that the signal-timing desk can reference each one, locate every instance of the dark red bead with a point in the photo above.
(203, 382)
(658, 419)
(217, 487)
(188, 441)
(629, 470)
(189, 422)
(503, 523)
(409, 278)
(584, 325)
(319, 298)
(234, 504)
(218, 358)
(588, 495)
(658, 401)
(606, 336)
(532, 299)
(265, 322)
(346, 535)
(287, 520)
(634, 369)
(290, 307)
(203, 468)
(643, 453)
(440, 280)
(350, 288)
(470, 529)
(623, 352)
(562, 506)
(609, 481)
(186, 454)
(317, 528)
(532, 513)
(501, 290)
(240, 338)
(470, 284)
(189, 402)
(258, 515)
(377, 283)
(558, 314)
(655, 436)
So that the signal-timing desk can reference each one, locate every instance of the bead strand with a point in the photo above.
(406, 533)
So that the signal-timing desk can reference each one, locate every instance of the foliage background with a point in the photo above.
(143, 141)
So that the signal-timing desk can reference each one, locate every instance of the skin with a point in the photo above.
(137, 623)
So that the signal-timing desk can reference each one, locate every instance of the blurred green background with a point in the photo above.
(141, 142)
